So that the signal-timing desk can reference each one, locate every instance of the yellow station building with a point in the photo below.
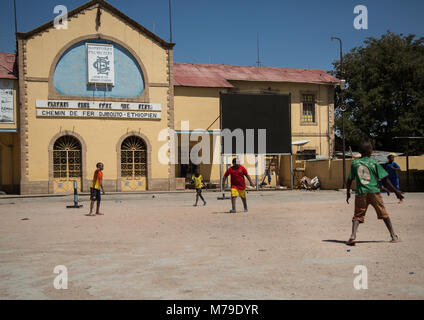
(105, 89)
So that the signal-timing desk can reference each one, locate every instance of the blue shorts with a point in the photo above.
(395, 183)
(95, 194)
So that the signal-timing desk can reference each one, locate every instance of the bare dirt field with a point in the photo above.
(290, 245)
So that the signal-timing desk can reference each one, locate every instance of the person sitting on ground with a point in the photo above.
(366, 172)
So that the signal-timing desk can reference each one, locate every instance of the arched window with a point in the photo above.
(133, 158)
(70, 74)
(67, 158)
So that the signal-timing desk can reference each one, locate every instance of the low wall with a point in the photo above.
(284, 174)
(330, 172)
(416, 173)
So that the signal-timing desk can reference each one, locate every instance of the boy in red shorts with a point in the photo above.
(367, 172)
(95, 187)
(238, 186)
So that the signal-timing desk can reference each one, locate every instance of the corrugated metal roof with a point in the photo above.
(214, 75)
(219, 75)
(7, 60)
(380, 156)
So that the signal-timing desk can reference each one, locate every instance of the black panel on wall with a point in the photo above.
(258, 111)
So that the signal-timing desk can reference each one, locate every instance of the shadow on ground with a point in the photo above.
(366, 241)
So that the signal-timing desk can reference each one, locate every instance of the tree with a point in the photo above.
(384, 95)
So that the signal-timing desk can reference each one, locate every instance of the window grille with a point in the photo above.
(133, 158)
(308, 108)
(67, 158)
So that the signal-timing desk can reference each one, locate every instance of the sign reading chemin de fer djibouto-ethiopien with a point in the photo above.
(98, 109)
(97, 114)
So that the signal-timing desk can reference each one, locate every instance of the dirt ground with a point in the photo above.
(290, 245)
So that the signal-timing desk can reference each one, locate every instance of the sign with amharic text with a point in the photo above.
(98, 105)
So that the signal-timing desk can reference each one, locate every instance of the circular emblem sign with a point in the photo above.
(364, 174)
(102, 65)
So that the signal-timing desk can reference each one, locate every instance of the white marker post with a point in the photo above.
(76, 205)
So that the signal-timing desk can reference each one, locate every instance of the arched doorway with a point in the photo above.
(133, 164)
(67, 162)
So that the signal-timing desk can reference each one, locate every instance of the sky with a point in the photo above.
(292, 34)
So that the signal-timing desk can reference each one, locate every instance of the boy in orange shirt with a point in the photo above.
(95, 187)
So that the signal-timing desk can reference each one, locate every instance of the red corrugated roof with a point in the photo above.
(7, 60)
(218, 75)
(213, 75)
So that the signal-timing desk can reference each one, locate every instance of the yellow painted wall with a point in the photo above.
(10, 150)
(200, 106)
(415, 162)
(9, 160)
(416, 173)
(285, 170)
(329, 172)
(100, 136)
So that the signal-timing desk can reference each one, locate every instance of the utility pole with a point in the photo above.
(258, 63)
(170, 22)
(16, 24)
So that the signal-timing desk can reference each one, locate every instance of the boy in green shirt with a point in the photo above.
(367, 172)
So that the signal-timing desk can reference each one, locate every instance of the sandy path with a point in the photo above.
(286, 247)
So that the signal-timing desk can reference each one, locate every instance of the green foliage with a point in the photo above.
(384, 96)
